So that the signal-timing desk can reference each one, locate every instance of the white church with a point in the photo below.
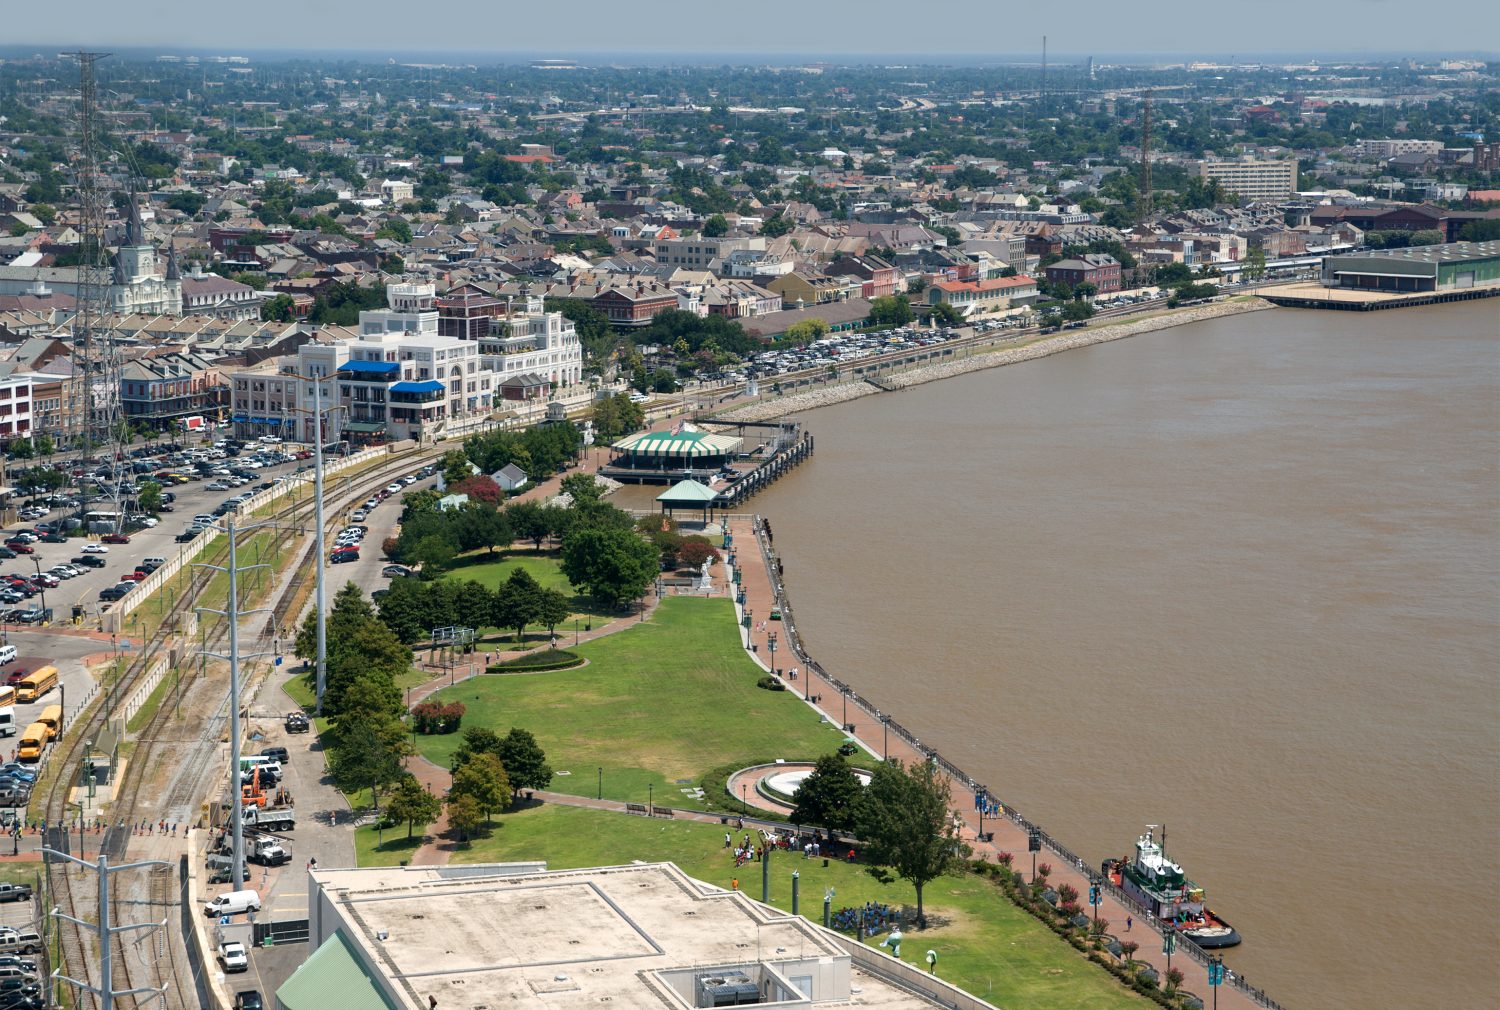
(135, 284)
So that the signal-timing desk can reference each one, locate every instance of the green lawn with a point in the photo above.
(490, 570)
(659, 706)
(984, 942)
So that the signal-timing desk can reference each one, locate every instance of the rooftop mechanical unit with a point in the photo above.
(726, 990)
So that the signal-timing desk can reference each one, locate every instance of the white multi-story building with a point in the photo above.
(15, 407)
(1253, 178)
(1391, 148)
(399, 379)
(531, 341)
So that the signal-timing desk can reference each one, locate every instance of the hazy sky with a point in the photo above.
(767, 26)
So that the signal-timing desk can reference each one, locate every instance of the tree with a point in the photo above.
(716, 226)
(1076, 311)
(456, 467)
(946, 314)
(524, 761)
(279, 308)
(435, 554)
(409, 801)
(1486, 230)
(528, 520)
(480, 488)
(805, 331)
(615, 416)
(149, 497)
(582, 487)
(464, 815)
(367, 753)
(552, 608)
(46, 447)
(404, 610)
(483, 779)
(517, 602)
(694, 551)
(1255, 264)
(829, 795)
(891, 310)
(776, 226)
(614, 565)
(906, 826)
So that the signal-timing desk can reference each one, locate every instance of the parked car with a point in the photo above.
(296, 722)
(112, 593)
(396, 571)
(89, 561)
(95, 549)
(15, 892)
(115, 538)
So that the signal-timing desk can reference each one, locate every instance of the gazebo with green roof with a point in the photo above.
(688, 449)
(688, 494)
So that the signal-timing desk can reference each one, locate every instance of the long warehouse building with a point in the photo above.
(1453, 266)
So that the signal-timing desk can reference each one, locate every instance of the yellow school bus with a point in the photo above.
(51, 717)
(35, 684)
(32, 742)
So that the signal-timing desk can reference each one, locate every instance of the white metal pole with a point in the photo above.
(236, 815)
(106, 956)
(319, 604)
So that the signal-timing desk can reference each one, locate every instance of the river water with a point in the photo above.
(1241, 578)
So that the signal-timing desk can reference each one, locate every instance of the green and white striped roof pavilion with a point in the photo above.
(687, 444)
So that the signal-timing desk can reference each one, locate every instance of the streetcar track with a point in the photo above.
(74, 944)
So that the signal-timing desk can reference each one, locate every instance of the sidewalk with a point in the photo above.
(760, 598)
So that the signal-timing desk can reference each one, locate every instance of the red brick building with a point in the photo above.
(634, 305)
(1098, 269)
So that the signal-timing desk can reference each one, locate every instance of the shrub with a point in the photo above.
(434, 717)
(548, 659)
(388, 545)
(770, 683)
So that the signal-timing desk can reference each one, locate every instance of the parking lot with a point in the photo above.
(192, 498)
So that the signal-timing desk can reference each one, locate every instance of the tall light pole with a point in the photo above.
(232, 615)
(321, 562)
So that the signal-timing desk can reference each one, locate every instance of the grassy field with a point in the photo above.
(659, 706)
(984, 943)
(490, 570)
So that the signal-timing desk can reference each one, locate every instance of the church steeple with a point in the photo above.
(135, 229)
(119, 278)
(173, 273)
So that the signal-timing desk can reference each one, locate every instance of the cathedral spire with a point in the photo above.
(135, 229)
(173, 273)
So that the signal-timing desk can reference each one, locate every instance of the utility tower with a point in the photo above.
(1146, 157)
(1044, 71)
(93, 407)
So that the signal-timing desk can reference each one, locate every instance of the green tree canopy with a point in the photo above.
(410, 801)
(829, 795)
(524, 761)
(483, 779)
(906, 826)
(613, 565)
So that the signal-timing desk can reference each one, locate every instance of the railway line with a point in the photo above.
(156, 959)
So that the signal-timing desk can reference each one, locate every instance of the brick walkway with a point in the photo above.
(760, 596)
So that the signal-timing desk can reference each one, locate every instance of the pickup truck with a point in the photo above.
(269, 855)
(233, 957)
(15, 892)
(296, 722)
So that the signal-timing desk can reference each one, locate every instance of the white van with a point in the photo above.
(8, 654)
(12, 971)
(233, 903)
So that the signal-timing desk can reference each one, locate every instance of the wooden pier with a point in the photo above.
(786, 445)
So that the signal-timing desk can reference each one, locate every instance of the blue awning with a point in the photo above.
(377, 368)
(430, 386)
(241, 417)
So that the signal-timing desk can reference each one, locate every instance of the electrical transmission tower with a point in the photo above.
(1146, 158)
(94, 404)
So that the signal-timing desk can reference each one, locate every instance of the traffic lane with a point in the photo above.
(382, 521)
(23, 914)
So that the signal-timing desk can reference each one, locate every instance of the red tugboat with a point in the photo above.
(1161, 885)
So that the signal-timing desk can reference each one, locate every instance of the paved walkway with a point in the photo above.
(756, 579)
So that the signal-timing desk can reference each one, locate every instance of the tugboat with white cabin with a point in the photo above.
(1162, 886)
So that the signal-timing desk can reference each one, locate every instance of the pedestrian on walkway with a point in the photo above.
(1128, 923)
(726, 840)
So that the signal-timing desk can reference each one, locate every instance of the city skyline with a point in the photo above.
(670, 28)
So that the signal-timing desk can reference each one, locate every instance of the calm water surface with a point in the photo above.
(1241, 578)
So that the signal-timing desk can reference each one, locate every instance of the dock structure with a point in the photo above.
(735, 466)
(1313, 296)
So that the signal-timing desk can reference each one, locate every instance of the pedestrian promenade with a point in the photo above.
(760, 585)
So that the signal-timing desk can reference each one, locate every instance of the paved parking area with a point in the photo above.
(191, 499)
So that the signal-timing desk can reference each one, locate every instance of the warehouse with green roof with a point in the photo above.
(1452, 266)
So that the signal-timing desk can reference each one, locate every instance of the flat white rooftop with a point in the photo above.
(639, 937)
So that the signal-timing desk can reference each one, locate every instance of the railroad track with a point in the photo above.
(71, 887)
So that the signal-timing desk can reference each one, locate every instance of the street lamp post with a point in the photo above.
(885, 738)
(744, 799)
(845, 691)
(771, 644)
(601, 782)
(39, 585)
(319, 605)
